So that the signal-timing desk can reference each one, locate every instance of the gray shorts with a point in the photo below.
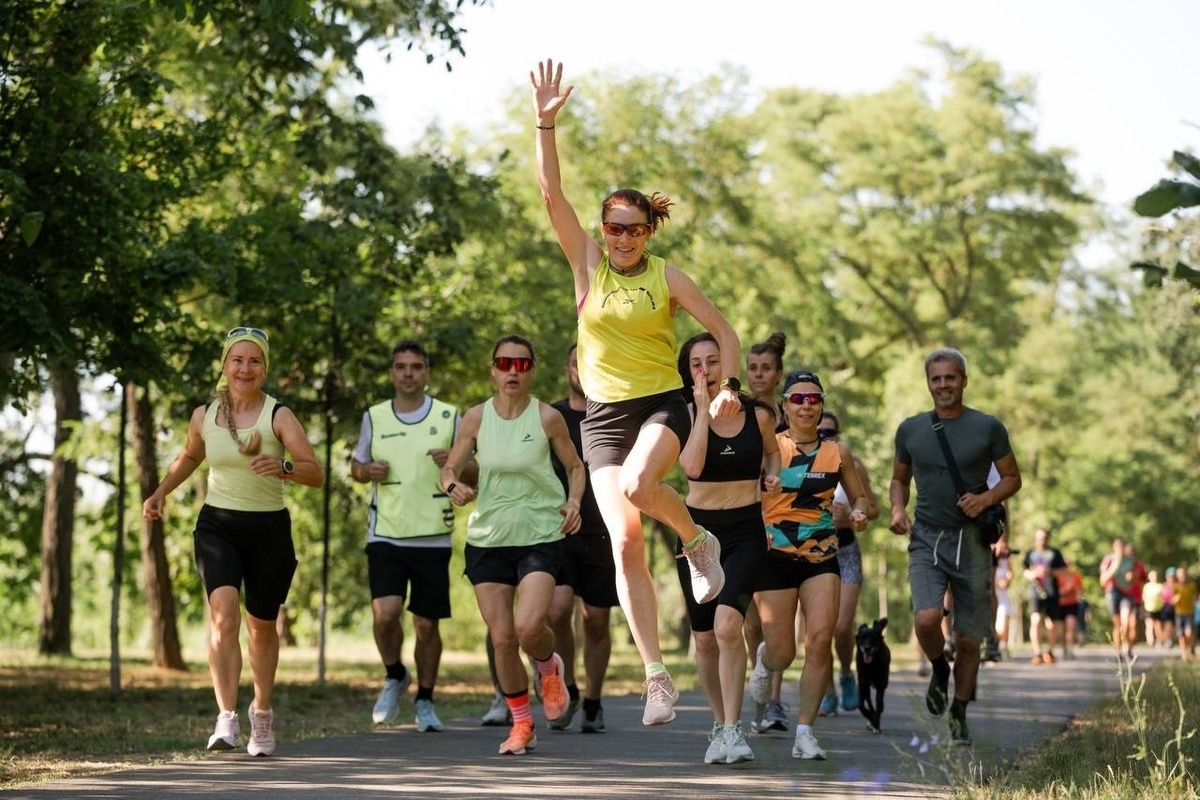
(957, 559)
(849, 559)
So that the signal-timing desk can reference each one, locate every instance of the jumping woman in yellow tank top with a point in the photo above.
(637, 419)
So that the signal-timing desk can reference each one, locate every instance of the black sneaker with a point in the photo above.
(959, 733)
(937, 693)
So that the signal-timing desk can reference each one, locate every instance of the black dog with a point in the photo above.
(874, 660)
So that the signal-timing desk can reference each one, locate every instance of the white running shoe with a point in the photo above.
(737, 749)
(806, 747)
(387, 707)
(228, 733)
(498, 715)
(716, 745)
(758, 722)
(661, 696)
(262, 732)
(704, 563)
(427, 718)
(760, 677)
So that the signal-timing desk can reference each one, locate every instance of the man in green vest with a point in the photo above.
(402, 447)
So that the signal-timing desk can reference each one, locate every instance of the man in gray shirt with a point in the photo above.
(947, 549)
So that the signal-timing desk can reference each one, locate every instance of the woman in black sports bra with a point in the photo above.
(724, 460)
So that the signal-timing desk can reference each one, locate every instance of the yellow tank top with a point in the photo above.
(231, 482)
(627, 335)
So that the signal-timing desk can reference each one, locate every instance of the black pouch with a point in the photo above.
(993, 522)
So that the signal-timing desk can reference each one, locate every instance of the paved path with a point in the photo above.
(1018, 706)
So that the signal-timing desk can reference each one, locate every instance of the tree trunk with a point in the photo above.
(58, 522)
(156, 577)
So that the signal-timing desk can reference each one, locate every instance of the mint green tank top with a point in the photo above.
(519, 495)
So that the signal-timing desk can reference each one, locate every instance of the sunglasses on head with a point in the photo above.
(806, 398)
(637, 230)
(519, 363)
(257, 333)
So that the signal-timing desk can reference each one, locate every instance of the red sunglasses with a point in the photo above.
(519, 363)
(637, 230)
(806, 398)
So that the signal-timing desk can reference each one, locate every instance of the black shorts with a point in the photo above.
(588, 568)
(247, 548)
(1069, 610)
(391, 569)
(743, 539)
(1047, 607)
(610, 429)
(509, 565)
(788, 572)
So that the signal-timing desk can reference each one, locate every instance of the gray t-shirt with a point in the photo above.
(977, 440)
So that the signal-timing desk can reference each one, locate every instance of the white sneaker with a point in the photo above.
(387, 707)
(737, 749)
(228, 733)
(498, 715)
(806, 747)
(716, 745)
(758, 722)
(760, 677)
(262, 732)
(427, 718)
(661, 697)
(704, 562)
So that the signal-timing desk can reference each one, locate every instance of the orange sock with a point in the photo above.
(518, 704)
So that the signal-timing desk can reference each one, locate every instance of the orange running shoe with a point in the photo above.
(554, 691)
(522, 737)
(1048, 657)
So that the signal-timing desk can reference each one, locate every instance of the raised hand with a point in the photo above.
(700, 391)
(548, 96)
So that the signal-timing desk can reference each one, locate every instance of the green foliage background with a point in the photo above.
(868, 228)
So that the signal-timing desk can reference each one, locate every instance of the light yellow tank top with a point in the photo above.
(627, 335)
(231, 482)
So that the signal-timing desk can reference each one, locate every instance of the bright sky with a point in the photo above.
(1118, 82)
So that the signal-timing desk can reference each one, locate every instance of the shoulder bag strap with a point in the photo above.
(951, 464)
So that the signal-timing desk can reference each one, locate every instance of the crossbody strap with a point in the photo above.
(955, 475)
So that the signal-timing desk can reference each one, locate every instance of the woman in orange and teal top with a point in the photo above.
(637, 421)
(243, 535)
(802, 566)
(514, 533)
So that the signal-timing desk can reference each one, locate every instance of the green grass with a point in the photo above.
(1136, 745)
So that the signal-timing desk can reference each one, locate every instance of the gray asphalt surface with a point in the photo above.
(1018, 706)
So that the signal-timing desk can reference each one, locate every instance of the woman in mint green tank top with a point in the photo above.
(514, 532)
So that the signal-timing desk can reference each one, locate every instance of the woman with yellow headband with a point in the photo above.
(243, 534)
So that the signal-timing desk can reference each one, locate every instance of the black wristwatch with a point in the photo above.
(732, 383)
(286, 467)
